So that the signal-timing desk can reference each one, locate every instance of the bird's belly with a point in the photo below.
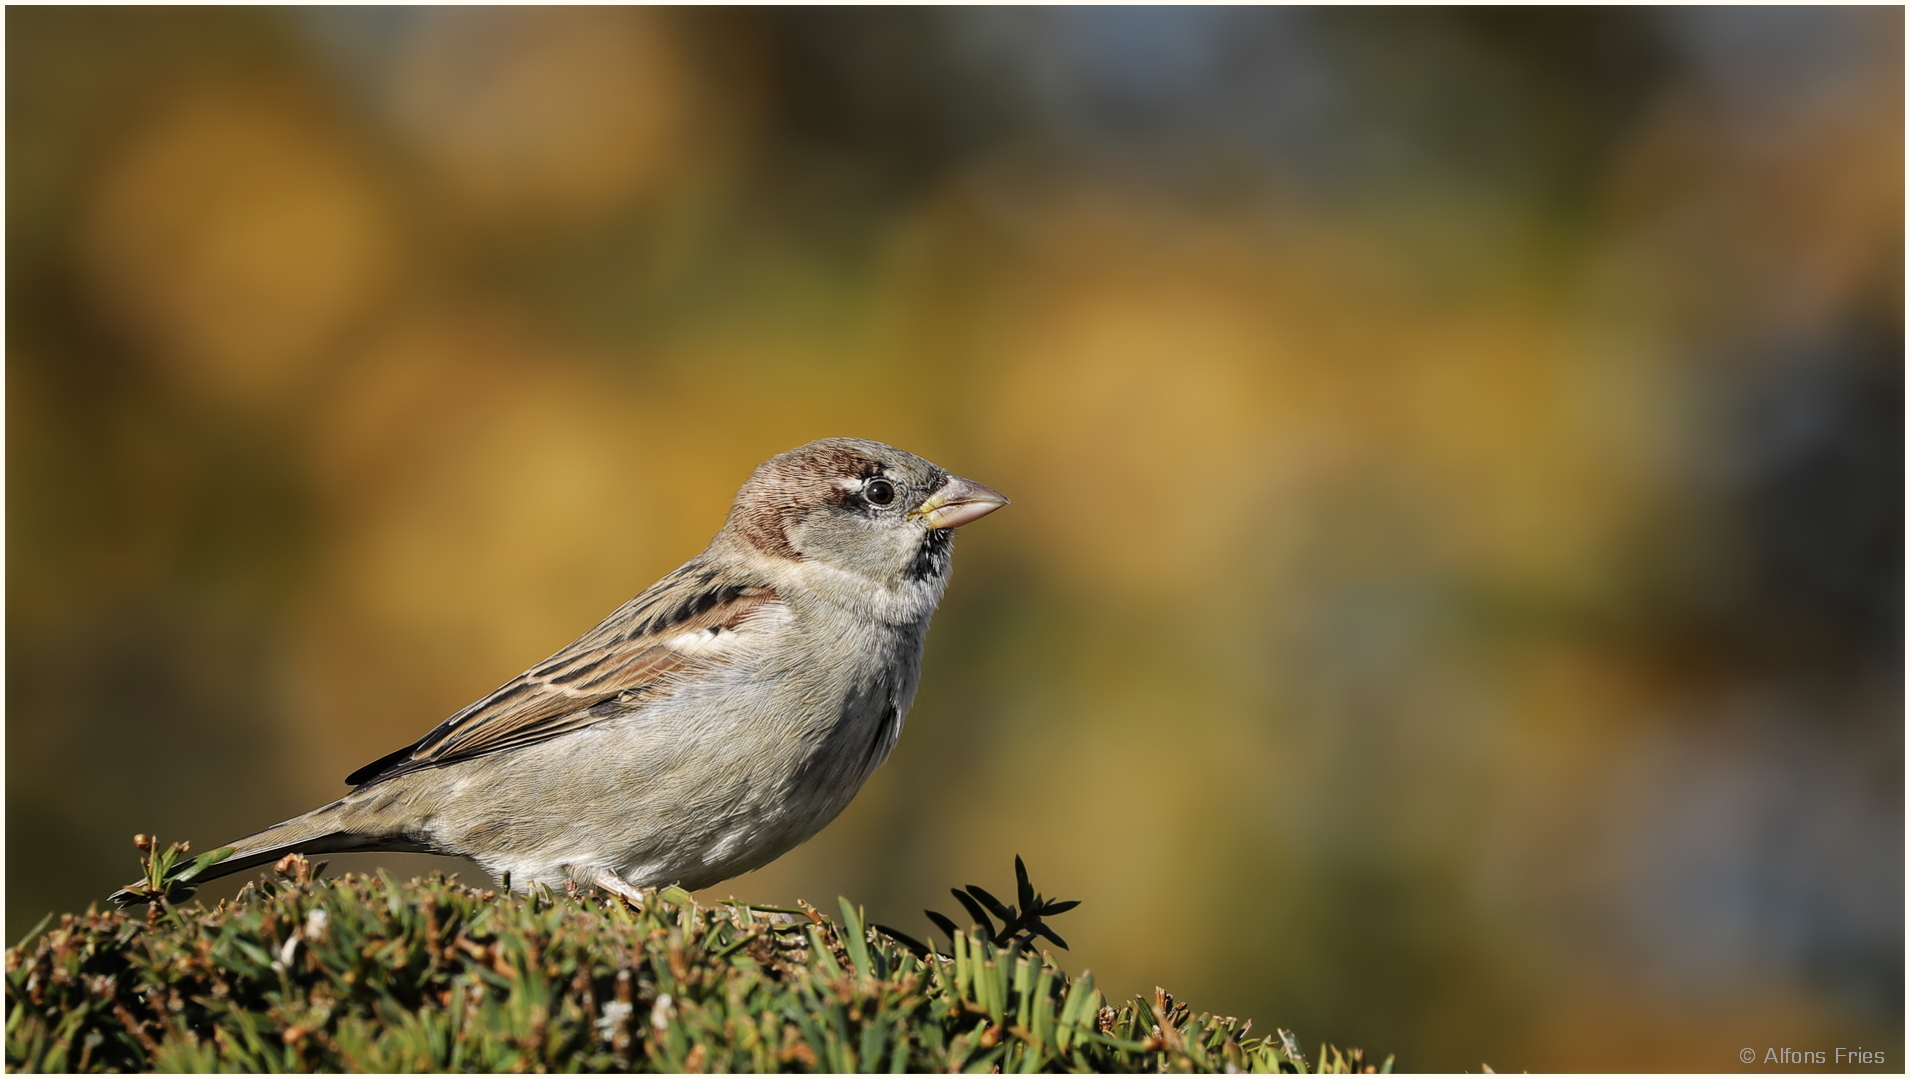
(713, 782)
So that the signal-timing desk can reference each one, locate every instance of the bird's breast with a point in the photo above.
(840, 700)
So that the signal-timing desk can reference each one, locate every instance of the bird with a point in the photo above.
(706, 727)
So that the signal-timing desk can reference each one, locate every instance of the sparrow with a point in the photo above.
(708, 726)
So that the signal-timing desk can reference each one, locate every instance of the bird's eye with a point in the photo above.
(879, 491)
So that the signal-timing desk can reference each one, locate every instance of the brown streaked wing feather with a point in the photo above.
(623, 658)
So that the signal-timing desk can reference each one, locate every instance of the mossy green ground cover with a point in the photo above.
(365, 974)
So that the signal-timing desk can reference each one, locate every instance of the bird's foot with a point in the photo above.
(607, 880)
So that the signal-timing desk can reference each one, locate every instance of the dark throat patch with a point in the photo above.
(931, 559)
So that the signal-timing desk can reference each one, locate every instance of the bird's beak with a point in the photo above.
(958, 502)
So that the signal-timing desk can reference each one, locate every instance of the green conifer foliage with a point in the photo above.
(365, 974)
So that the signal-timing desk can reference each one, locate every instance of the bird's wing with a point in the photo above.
(676, 627)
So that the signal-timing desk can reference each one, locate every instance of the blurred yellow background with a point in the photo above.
(1453, 598)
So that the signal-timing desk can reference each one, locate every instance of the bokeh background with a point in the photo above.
(1452, 602)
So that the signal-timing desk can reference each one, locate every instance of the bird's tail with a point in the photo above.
(325, 830)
